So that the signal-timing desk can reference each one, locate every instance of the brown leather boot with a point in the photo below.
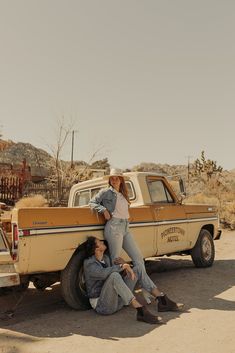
(146, 316)
(166, 304)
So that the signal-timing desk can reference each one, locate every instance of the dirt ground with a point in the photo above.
(44, 323)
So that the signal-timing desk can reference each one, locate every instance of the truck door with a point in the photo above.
(170, 218)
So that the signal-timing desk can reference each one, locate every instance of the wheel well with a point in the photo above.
(81, 247)
(210, 229)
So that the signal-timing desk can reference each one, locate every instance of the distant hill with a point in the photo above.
(40, 161)
(164, 169)
(14, 153)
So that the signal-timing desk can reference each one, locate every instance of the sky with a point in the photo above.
(141, 81)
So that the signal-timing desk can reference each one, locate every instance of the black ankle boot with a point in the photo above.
(166, 304)
(144, 315)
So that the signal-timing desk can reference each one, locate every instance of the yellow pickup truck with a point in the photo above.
(45, 245)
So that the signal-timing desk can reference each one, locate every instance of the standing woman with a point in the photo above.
(113, 203)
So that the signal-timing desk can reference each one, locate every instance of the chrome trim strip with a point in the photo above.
(56, 230)
(59, 230)
(191, 220)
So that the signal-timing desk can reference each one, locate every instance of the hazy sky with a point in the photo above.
(150, 81)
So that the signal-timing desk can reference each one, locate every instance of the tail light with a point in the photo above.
(15, 234)
(25, 232)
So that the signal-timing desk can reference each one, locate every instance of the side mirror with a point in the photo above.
(182, 188)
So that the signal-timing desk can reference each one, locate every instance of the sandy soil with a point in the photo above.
(43, 323)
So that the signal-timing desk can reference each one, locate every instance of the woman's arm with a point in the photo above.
(96, 202)
(97, 272)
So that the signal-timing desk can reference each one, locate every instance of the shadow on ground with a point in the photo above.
(44, 314)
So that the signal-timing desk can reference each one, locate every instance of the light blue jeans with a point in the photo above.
(118, 236)
(118, 291)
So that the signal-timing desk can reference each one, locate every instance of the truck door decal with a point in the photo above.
(172, 230)
(172, 234)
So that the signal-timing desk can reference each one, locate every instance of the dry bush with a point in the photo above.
(224, 203)
(227, 214)
(201, 198)
(32, 201)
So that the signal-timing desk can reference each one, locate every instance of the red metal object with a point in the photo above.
(15, 233)
(12, 181)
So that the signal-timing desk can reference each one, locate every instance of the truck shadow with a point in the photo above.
(44, 314)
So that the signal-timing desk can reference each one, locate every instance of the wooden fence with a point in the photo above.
(11, 189)
(50, 193)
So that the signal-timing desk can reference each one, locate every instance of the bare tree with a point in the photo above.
(64, 173)
(59, 167)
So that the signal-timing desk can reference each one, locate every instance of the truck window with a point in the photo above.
(94, 192)
(83, 197)
(130, 190)
(159, 192)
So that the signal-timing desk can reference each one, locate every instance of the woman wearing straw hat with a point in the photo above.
(113, 203)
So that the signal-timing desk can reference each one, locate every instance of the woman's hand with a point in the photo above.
(106, 215)
(119, 261)
(130, 273)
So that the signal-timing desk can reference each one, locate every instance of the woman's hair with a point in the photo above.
(123, 188)
(90, 246)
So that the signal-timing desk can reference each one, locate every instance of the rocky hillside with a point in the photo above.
(164, 169)
(14, 153)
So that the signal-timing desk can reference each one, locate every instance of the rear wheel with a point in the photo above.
(73, 283)
(203, 253)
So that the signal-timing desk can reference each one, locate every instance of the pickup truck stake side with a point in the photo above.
(46, 244)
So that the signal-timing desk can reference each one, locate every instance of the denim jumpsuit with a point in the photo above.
(116, 230)
(109, 287)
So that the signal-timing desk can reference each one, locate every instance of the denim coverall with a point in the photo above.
(116, 230)
(107, 284)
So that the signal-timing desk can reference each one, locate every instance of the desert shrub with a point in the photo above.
(201, 198)
(223, 201)
(227, 214)
(32, 201)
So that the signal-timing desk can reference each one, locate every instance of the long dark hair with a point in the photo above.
(90, 246)
(123, 188)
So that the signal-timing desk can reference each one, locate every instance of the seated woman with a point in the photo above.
(108, 290)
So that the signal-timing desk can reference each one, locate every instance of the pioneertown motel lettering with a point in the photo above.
(172, 234)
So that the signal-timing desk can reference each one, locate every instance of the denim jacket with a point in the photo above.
(104, 199)
(96, 274)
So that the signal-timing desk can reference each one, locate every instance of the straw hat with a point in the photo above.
(116, 172)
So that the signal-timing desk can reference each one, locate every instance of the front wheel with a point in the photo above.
(73, 283)
(203, 253)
